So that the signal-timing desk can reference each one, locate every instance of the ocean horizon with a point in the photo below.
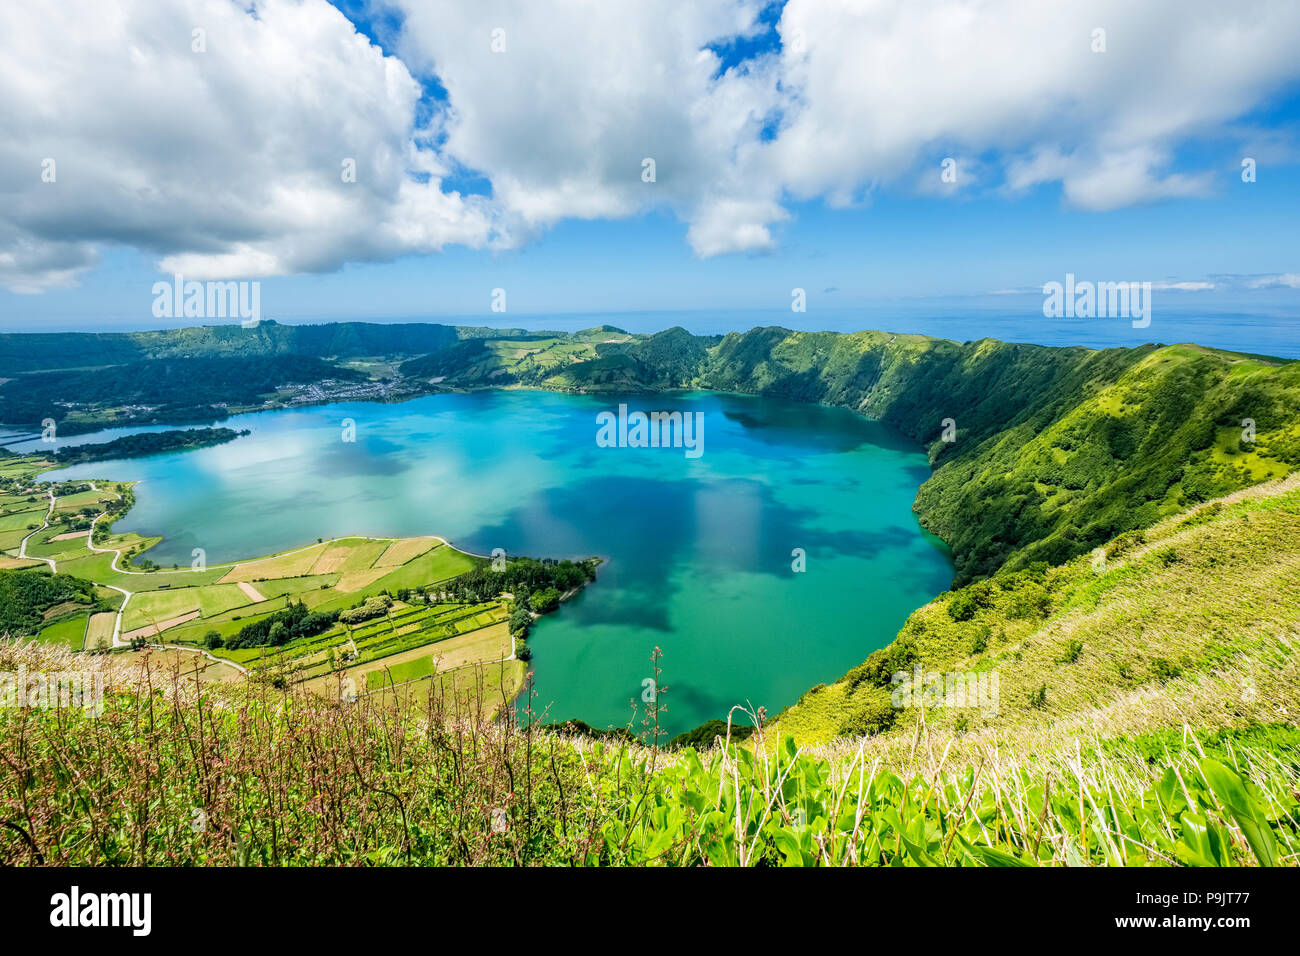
(1265, 331)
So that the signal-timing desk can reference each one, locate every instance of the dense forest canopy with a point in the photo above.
(26, 595)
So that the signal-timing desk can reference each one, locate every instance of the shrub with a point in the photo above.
(1165, 670)
(520, 621)
(372, 608)
(875, 716)
(882, 664)
(293, 622)
(1030, 602)
(702, 737)
(969, 600)
(1071, 653)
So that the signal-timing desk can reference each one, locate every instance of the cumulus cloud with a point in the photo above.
(226, 160)
(560, 105)
(226, 163)
(886, 86)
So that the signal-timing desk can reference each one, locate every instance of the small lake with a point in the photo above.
(699, 550)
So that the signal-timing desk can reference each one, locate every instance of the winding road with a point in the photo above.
(126, 595)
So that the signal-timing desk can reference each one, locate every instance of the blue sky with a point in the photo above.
(857, 226)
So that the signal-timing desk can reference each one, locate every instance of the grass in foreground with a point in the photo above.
(180, 772)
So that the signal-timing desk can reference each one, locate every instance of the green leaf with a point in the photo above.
(991, 857)
(1231, 792)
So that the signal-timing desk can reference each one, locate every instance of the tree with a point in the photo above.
(545, 600)
(520, 621)
(212, 640)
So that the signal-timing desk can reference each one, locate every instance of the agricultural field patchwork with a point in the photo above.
(379, 604)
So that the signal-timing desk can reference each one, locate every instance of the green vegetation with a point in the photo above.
(372, 608)
(28, 598)
(29, 352)
(705, 736)
(248, 754)
(538, 585)
(155, 390)
(146, 443)
(279, 628)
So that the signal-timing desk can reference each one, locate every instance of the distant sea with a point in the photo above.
(1268, 326)
(1268, 333)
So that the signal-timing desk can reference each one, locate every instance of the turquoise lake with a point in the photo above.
(698, 550)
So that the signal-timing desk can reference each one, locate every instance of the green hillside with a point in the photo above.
(27, 352)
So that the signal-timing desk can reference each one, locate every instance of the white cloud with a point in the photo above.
(562, 120)
(1285, 280)
(885, 86)
(1183, 286)
(226, 163)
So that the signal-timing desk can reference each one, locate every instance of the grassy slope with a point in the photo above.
(286, 777)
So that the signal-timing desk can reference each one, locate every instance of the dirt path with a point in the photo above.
(253, 593)
(22, 548)
(157, 628)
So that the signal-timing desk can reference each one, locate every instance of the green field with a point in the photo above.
(326, 577)
(400, 673)
(67, 632)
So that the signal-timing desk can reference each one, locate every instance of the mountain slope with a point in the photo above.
(46, 351)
